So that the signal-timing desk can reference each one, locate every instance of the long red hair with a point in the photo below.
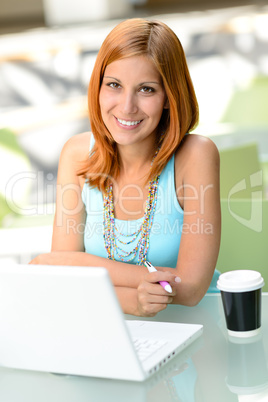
(155, 39)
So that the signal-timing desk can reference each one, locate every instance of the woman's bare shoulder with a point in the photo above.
(197, 149)
(194, 143)
(77, 147)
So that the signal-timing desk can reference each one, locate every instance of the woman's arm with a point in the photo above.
(122, 274)
(70, 214)
(197, 184)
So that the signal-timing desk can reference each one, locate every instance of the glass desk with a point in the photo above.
(213, 368)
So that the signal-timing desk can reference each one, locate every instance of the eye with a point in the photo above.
(147, 90)
(113, 85)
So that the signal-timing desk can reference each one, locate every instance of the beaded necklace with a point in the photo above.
(111, 233)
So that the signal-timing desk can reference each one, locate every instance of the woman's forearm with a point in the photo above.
(122, 274)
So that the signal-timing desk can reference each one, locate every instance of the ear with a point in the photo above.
(166, 105)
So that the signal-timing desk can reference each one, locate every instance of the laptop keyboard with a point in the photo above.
(146, 347)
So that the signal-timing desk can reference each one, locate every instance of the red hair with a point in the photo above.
(155, 39)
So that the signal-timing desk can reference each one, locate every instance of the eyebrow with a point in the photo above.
(142, 83)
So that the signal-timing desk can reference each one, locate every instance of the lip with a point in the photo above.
(125, 126)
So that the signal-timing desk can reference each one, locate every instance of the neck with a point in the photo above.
(136, 160)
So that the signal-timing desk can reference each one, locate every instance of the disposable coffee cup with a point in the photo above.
(241, 298)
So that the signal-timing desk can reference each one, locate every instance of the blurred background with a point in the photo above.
(47, 52)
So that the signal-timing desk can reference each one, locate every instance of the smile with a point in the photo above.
(128, 123)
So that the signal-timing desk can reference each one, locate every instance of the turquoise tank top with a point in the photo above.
(166, 230)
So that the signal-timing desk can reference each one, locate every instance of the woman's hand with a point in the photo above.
(152, 298)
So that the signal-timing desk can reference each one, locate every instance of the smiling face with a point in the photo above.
(132, 99)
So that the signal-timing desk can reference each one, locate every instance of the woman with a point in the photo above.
(139, 187)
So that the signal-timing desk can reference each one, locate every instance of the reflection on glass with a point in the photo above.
(178, 385)
(175, 382)
(247, 367)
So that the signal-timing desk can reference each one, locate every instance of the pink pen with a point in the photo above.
(164, 284)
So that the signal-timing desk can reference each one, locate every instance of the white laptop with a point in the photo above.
(68, 320)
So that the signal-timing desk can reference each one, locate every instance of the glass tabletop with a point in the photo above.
(214, 368)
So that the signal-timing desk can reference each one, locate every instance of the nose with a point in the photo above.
(129, 103)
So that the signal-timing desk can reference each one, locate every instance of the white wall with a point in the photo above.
(75, 11)
(57, 12)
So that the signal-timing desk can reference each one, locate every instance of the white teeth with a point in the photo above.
(129, 123)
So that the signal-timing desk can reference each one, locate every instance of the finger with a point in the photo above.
(154, 277)
(176, 280)
(33, 262)
(152, 288)
(151, 310)
(157, 288)
(154, 299)
(158, 276)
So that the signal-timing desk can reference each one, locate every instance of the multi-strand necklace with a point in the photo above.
(141, 237)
